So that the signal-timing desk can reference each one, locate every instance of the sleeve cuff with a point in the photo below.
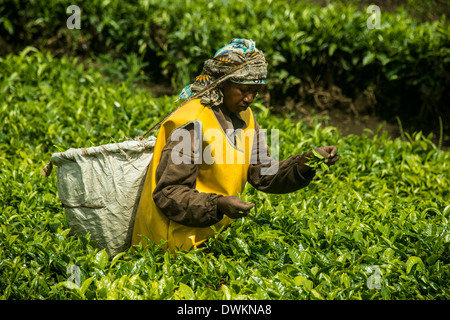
(304, 172)
(219, 214)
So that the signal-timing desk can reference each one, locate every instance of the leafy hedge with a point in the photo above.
(311, 49)
(382, 214)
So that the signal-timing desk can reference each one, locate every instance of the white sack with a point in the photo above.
(100, 187)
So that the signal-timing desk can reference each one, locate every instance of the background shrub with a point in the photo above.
(320, 56)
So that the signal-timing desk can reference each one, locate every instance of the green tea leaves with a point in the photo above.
(317, 161)
(184, 293)
(414, 262)
(375, 226)
(101, 259)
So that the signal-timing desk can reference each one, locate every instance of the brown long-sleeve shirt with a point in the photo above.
(175, 192)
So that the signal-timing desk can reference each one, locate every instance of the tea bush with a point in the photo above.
(375, 226)
(405, 63)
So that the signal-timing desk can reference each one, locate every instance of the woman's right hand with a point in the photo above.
(233, 206)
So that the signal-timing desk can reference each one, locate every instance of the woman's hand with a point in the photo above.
(233, 207)
(329, 153)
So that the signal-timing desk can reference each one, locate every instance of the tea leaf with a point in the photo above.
(413, 261)
(101, 259)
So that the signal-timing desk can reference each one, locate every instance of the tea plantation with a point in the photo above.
(374, 226)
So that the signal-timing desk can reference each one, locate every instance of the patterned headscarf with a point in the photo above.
(238, 51)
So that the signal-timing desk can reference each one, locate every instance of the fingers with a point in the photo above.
(332, 161)
(329, 153)
(242, 208)
(245, 206)
(234, 207)
(331, 150)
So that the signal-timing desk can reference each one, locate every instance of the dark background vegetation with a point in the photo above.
(322, 56)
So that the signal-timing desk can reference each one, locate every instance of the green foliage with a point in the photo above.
(317, 160)
(406, 62)
(375, 226)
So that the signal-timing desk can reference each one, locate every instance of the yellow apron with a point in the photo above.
(225, 175)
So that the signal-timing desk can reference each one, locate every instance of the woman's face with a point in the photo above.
(238, 97)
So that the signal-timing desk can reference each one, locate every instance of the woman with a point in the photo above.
(208, 149)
